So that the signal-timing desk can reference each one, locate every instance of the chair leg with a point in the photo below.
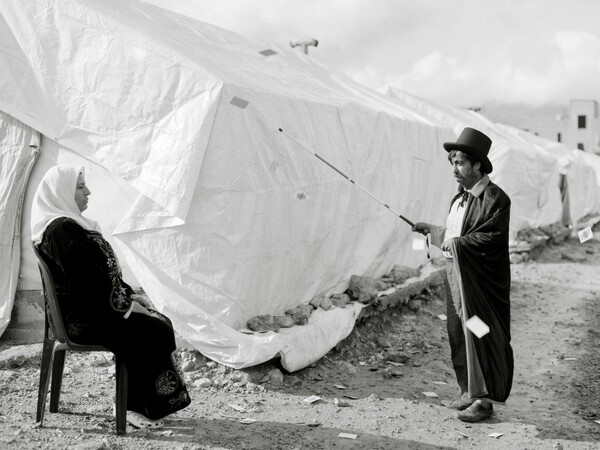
(121, 377)
(46, 362)
(58, 366)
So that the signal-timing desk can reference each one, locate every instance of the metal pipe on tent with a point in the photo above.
(348, 178)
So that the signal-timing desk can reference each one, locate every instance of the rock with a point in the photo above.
(340, 403)
(251, 376)
(322, 302)
(275, 376)
(188, 366)
(383, 342)
(300, 313)
(364, 289)
(263, 323)
(571, 257)
(349, 368)
(284, 321)
(326, 304)
(203, 383)
(399, 357)
(414, 304)
(20, 355)
(402, 273)
(340, 300)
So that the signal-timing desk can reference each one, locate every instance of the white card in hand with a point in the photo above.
(477, 326)
(418, 244)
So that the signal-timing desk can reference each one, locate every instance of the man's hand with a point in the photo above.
(447, 245)
(422, 227)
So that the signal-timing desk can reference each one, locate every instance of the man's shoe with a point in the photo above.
(461, 403)
(476, 413)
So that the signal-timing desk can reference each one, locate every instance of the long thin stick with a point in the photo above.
(347, 178)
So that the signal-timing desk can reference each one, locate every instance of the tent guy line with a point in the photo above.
(347, 178)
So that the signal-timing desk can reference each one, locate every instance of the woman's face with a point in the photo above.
(81, 193)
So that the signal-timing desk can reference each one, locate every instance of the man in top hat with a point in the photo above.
(475, 244)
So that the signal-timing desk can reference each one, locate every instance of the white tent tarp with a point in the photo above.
(225, 217)
(18, 150)
(529, 175)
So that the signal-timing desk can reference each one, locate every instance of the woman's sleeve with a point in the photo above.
(85, 270)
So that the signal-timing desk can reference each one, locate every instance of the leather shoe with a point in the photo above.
(476, 413)
(461, 403)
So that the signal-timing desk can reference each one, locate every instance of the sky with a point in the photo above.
(464, 53)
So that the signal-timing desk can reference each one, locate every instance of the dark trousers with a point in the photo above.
(456, 334)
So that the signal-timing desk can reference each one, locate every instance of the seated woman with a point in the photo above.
(97, 305)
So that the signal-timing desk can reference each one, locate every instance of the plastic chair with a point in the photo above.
(54, 351)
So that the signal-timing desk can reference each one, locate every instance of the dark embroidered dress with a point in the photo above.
(94, 299)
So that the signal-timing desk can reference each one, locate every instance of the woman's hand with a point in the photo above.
(422, 227)
(142, 301)
(138, 308)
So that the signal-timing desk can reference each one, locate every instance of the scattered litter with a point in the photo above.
(495, 435)
(585, 234)
(247, 421)
(441, 383)
(165, 433)
(388, 291)
(313, 424)
(597, 421)
(351, 397)
(442, 317)
(312, 399)
(340, 386)
(237, 407)
(570, 359)
(462, 434)
(430, 394)
(477, 326)
(348, 435)
(362, 363)
(394, 363)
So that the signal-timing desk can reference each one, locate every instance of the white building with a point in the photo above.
(581, 127)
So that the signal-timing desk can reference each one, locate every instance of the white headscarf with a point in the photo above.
(54, 198)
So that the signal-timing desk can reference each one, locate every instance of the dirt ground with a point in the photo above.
(554, 404)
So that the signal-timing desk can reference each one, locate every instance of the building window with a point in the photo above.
(580, 121)
(559, 137)
(580, 146)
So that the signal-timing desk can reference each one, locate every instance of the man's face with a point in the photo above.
(465, 173)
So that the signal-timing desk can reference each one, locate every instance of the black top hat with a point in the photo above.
(476, 144)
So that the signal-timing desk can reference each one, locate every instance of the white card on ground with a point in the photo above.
(495, 435)
(585, 234)
(347, 435)
(477, 326)
(312, 399)
(430, 394)
(418, 244)
(442, 317)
